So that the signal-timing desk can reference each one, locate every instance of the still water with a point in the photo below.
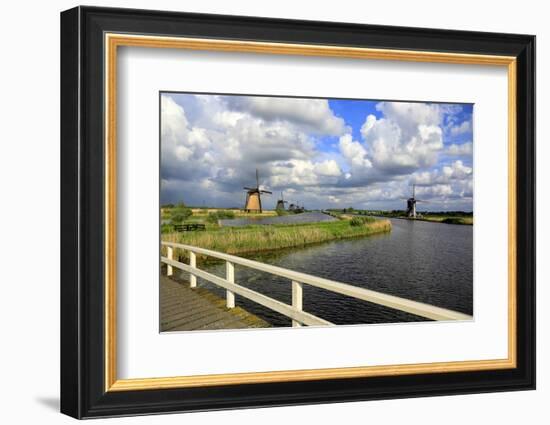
(310, 217)
(422, 261)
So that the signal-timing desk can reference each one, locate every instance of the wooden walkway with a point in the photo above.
(186, 309)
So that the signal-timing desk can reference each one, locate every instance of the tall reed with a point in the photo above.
(248, 239)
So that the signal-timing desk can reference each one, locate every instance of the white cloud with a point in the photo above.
(465, 149)
(211, 146)
(174, 121)
(183, 153)
(464, 127)
(303, 173)
(408, 137)
(436, 191)
(181, 144)
(354, 153)
(450, 182)
(456, 171)
(328, 168)
(313, 114)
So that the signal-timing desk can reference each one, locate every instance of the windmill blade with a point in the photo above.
(249, 188)
(257, 179)
(266, 191)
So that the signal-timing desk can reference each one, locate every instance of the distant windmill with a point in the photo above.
(253, 201)
(281, 203)
(411, 204)
(296, 208)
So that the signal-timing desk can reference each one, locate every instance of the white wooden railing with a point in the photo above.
(294, 311)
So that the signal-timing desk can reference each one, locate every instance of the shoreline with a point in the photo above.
(463, 220)
(460, 221)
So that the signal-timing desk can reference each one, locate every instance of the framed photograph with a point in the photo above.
(261, 212)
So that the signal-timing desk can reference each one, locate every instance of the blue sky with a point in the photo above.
(323, 153)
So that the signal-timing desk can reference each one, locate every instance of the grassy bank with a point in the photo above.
(463, 220)
(446, 217)
(248, 239)
(450, 217)
(448, 220)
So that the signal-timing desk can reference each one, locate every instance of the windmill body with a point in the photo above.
(281, 203)
(411, 207)
(253, 201)
(411, 204)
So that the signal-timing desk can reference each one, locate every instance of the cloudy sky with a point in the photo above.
(322, 153)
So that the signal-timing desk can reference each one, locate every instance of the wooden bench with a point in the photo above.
(189, 227)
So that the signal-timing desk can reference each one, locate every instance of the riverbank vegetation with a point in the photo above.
(448, 220)
(168, 211)
(214, 216)
(446, 217)
(259, 238)
(179, 214)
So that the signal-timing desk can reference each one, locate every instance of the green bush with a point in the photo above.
(356, 221)
(166, 228)
(453, 220)
(180, 214)
(213, 217)
(226, 214)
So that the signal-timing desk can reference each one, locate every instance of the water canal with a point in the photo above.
(422, 261)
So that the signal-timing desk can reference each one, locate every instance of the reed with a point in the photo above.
(258, 238)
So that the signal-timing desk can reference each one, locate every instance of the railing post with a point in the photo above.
(297, 300)
(230, 277)
(192, 263)
(170, 254)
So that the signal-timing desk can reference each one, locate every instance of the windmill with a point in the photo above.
(281, 203)
(253, 200)
(411, 204)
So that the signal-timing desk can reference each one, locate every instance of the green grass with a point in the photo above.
(213, 217)
(258, 238)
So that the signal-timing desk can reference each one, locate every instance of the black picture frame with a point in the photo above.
(83, 392)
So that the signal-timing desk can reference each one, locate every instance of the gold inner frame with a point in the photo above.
(113, 41)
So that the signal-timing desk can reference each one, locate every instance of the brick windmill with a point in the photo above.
(253, 197)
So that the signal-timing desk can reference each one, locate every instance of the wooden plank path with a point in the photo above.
(186, 309)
